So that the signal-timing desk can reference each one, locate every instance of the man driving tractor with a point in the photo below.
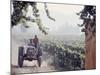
(35, 41)
(33, 52)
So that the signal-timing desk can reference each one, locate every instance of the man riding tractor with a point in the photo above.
(33, 52)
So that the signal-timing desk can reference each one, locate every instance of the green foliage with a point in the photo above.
(88, 15)
(47, 12)
(68, 57)
(18, 15)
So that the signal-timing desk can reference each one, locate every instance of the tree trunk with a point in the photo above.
(90, 44)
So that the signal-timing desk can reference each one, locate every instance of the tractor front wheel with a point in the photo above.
(21, 56)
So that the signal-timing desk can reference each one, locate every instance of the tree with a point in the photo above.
(19, 14)
(88, 15)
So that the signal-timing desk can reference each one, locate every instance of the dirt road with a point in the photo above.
(32, 67)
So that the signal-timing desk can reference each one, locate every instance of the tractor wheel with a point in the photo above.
(21, 56)
(39, 61)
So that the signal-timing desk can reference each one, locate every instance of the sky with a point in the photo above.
(65, 24)
(66, 18)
